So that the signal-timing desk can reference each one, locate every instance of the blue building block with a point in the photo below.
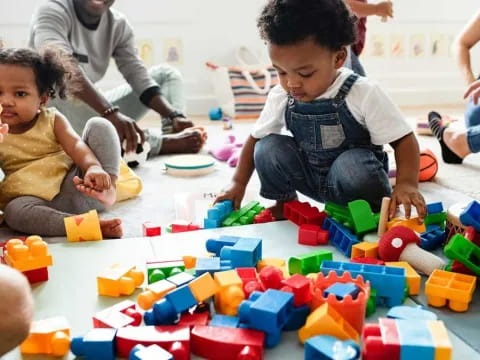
(246, 252)
(224, 321)
(217, 213)
(97, 344)
(215, 245)
(211, 265)
(325, 347)
(340, 237)
(180, 279)
(410, 313)
(432, 239)
(340, 290)
(181, 298)
(434, 208)
(162, 313)
(389, 282)
(152, 352)
(297, 318)
(415, 339)
(471, 215)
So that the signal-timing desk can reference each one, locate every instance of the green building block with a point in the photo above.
(308, 263)
(157, 271)
(363, 218)
(243, 216)
(465, 251)
(372, 302)
(340, 214)
(436, 219)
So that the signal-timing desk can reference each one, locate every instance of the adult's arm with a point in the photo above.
(467, 38)
(363, 9)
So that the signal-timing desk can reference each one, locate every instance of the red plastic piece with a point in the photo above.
(252, 286)
(194, 319)
(309, 234)
(176, 228)
(367, 260)
(381, 341)
(299, 285)
(472, 235)
(220, 343)
(271, 277)
(36, 275)
(302, 213)
(150, 229)
(263, 217)
(118, 315)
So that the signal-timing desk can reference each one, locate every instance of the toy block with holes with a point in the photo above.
(413, 278)
(264, 216)
(243, 216)
(241, 251)
(365, 249)
(309, 234)
(456, 289)
(389, 282)
(230, 292)
(325, 320)
(217, 343)
(303, 213)
(363, 219)
(48, 336)
(432, 239)
(159, 270)
(217, 214)
(211, 265)
(470, 216)
(339, 213)
(29, 255)
(83, 227)
(119, 280)
(464, 251)
(98, 343)
(150, 229)
(174, 339)
(325, 347)
(340, 237)
(308, 263)
(405, 340)
(152, 352)
(367, 260)
(117, 316)
(351, 308)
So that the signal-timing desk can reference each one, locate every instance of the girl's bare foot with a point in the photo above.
(111, 228)
(107, 197)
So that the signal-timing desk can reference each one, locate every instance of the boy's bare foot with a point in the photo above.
(277, 210)
(187, 141)
(107, 197)
(111, 228)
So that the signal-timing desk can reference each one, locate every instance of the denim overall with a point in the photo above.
(329, 158)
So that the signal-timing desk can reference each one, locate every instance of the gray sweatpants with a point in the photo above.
(168, 79)
(32, 215)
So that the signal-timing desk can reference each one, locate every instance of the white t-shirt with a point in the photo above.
(369, 105)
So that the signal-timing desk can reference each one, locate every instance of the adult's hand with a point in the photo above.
(180, 123)
(127, 130)
(384, 9)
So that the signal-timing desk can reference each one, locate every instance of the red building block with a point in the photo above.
(309, 234)
(302, 213)
(119, 315)
(150, 229)
(176, 228)
(367, 260)
(36, 275)
(381, 341)
(194, 319)
(299, 286)
(271, 277)
(263, 217)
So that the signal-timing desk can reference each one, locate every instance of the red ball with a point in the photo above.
(428, 165)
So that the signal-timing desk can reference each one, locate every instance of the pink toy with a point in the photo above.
(228, 151)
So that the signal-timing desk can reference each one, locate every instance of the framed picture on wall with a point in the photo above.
(438, 45)
(378, 45)
(173, 51)
(397, 45)
(417, 45)
(146, 51)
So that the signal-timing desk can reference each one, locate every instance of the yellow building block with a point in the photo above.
(31, 255)
(49, 336)
(230, 292)
(119, 280)
(189, 261)
(443, 346)
(413, 279)
(153, 293)
(325, 320)
(203, 287)
(84, 227)
(277, 263)
(411, 223)
(365, 249)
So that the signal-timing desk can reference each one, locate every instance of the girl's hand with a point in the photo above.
(408, 195)
(234, 192)
(96, 178)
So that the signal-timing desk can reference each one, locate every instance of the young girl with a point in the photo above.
(338, 120)
(50, 173)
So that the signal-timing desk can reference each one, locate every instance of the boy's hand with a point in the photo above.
(96, 178)
(408, 195)
(234, 192)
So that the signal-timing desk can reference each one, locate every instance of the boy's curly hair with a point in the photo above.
(56, 72)
(328, 22)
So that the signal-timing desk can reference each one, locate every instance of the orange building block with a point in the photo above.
(119, 280)
(49, 336)
(189, 261)
(325, 320)
(31, 255)
(413, 278)
(365, 249)
(230, 293)
(441, 341)
(153, 293)
(411, 223)
(456, 288)
(83, 227)
(203, 287)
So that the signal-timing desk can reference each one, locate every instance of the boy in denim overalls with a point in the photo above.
(339, 121)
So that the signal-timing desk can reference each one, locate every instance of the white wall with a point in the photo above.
(211, 30)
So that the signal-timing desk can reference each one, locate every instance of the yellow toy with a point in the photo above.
(83, 227)
(31, 255)
(49, 336)
(119, 280)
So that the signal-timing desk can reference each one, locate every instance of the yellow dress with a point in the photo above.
(34, 162)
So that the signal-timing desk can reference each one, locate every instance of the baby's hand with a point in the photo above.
(96, 178)
(3, 130)
(408, 195)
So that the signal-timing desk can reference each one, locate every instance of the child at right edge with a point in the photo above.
(338, 120)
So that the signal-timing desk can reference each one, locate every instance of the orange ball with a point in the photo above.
(428, 165)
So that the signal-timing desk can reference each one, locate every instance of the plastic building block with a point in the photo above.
(119, 280)
(466, 252)
(182, 278)
(83, 227)
(244, 253)
(271, 278)
(432, 239)
(152, 352)
(441, 340)
(118, 315)
(363, 219)
(177, 228)
(36, 275)
(435, 219)
(472, 235)
(471, 215)
(203, 287)
(264, 216)
(96, 344)
(381, 341)
(341, 290)
(325, 320)
(217, 214)
(340, 237)
(303, 213)
(298, 318)
(216, 343)
(308, 263)
(181, 298)
(372, 302)
(48, 336)
(340, 214)
(299, 285)
(410, 313)
(456, 288)
(309, 234)
(189, 261)
(229, 294)
(243, 216)
(367, 260)
(174, 339)
(194, 319)
(434, 208)
(224, 321)
(153, 293)
(412, 223)
(413, 279)
(364, 249)
(159, 270)
(215, 246)
(31, 255)
(211, 265)
(151, 229)
(389, 282)
(325, 347)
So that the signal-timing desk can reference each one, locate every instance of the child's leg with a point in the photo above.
(358, 174)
